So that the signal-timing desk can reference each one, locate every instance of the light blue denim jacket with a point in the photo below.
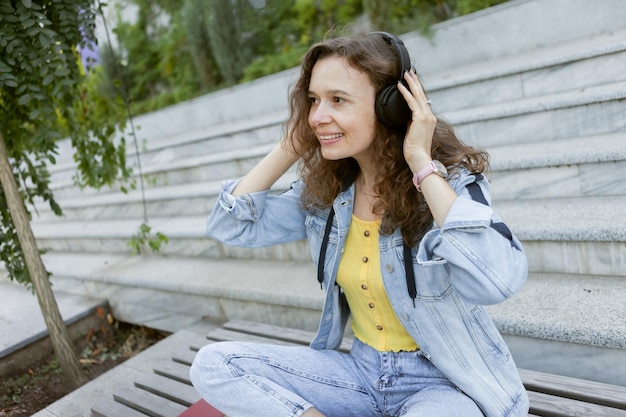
(458, 268)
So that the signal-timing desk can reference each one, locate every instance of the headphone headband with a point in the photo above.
(403, 54)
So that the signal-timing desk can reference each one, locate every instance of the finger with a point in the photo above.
(416, 87)
(418, 105)
(409, 96)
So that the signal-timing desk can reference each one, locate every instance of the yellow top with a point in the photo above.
(373, 320)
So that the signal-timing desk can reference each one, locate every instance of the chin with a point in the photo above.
(332, 156)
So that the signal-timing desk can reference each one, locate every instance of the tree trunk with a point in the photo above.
(59, 336)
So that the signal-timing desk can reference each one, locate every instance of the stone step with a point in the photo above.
(195, 149)
(573, 235)
(565, 67)
(144, 289)
(570, 235)
(192, 199)
(593, 111)
(577, 167)
(513, 28)
(584, 166)
(548, 307)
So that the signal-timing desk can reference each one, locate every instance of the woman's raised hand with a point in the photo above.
(419, 135)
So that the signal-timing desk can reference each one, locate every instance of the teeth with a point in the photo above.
(328, 137)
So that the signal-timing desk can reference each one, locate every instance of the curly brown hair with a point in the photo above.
(399, 203)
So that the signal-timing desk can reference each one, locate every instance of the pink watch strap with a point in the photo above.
(419, 176)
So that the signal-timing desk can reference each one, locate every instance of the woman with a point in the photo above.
(396, 212)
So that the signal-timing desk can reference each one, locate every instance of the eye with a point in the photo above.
(312, 100)
(338, 100)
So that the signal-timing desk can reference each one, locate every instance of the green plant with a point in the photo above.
(12, 389)
(271, 64)
(144, 238)
(470, 6)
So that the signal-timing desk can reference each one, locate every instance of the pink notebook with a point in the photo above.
(202, 409)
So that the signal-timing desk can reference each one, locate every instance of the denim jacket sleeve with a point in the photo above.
(257, 219)
(486, 261)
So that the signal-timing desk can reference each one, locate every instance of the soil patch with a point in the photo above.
(39, 384)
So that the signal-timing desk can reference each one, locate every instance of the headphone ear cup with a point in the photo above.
(391, 108)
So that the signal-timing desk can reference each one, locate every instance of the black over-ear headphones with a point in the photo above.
(391, 108)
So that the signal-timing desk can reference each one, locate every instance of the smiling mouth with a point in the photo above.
(331, 137)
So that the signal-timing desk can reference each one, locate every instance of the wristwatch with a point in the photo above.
(433, 167)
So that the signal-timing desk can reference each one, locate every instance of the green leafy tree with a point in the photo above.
(177, 50)
(400, 16)
(195, 20)
(153, 56)
(44, 97)
(225, 38)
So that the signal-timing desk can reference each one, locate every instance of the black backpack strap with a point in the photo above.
(477, 195)
(322, 257)
(410, 274)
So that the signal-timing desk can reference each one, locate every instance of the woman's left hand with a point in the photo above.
(417, 148)
(419, 135)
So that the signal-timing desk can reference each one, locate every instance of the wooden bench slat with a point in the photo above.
(553, 406)
(220, 335)
(173, 370)
(196, 347)
(168, 388)
(275, 332)
(298, 336)
(107, 407)
(184, 357)
(148, 403)
(564, 386)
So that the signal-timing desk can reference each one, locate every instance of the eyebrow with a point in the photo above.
(334, 92)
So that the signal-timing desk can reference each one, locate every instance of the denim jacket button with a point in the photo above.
(389, 268)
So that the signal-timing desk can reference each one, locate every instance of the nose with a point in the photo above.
(319, 115)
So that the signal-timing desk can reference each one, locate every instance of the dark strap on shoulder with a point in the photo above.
(322, 258)
(476, 192)
(477, 195)
(410, 274)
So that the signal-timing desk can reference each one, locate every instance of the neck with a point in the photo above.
(365, 199)
(365, 183)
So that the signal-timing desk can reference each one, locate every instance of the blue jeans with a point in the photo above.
(255, 380)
